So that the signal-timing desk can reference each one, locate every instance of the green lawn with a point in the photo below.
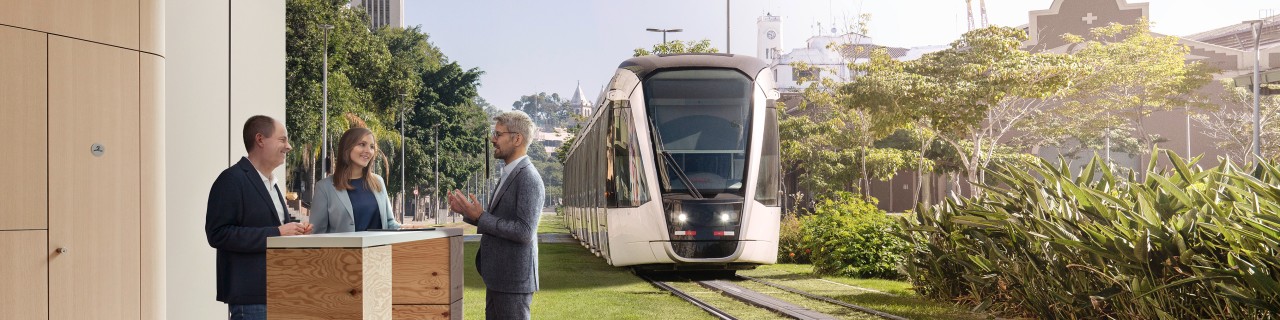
(579, 285)
(549, 224)
(552, 224)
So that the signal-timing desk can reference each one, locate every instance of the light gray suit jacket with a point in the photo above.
(508, 255)
(331, 208)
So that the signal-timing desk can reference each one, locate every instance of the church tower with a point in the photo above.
(769, 38)
(580, 102)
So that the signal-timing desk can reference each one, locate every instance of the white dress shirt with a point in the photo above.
(506, 174)
(270, 183)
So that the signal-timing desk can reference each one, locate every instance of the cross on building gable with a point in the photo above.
(1088, 18)
(1046, 27)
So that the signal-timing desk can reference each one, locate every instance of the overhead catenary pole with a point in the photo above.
(1256, 25)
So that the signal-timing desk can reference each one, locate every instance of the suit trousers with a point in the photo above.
(506, 306)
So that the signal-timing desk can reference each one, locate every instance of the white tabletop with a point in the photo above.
(362, 239)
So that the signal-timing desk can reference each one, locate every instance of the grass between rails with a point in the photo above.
(733, 307)
(839, 312)
(893, 297)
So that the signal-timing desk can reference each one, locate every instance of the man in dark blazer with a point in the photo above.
(508, 255)
(245, 207)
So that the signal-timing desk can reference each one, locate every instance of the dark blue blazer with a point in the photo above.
(239, 219)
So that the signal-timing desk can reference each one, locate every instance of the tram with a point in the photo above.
(678, 167)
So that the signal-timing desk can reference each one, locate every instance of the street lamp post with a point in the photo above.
(324, 118)
(1256, 25)
(727, 35)
(664, 32)
(435, 209)
(404, 201)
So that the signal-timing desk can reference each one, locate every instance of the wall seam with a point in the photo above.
(48, 272)
(68, 37)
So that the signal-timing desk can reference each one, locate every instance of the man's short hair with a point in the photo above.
(518, 122)
(258, 124)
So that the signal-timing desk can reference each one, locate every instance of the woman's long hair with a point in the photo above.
(342, 172)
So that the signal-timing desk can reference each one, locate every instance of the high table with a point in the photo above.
(366, 275)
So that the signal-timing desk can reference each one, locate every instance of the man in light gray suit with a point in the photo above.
(508, 255)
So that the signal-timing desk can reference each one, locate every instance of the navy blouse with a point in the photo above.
(365, 205)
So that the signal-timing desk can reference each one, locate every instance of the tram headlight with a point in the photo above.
(724, 217)
(682, 218)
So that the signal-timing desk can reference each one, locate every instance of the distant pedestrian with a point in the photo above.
(508, 255)
(245, 207)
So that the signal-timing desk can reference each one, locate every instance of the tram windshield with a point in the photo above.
(701, 119)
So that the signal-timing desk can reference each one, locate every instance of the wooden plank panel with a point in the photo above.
(152, 164)
(113, 22)
(93, 98)
(455, 272)
(151, 29)
(422, 272)
(24, 274)
(24, 107)
(377, 282)
(330, 283)
(451, 311)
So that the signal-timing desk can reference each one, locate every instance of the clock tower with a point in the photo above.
(769, 38)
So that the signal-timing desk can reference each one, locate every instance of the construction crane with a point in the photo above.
(982, 7)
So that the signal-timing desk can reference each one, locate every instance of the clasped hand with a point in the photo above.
(295, 228)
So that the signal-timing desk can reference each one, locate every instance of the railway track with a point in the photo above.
(729, 288)
(684, 295)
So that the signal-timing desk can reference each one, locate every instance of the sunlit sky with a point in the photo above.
(525, 47)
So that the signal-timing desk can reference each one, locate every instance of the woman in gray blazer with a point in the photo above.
(353, 198)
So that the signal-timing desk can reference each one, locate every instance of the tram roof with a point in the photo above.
(644, 65)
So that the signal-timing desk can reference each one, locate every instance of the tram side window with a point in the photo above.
(626, 185)
(768, 186)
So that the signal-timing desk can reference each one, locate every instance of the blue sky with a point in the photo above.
(549, 46)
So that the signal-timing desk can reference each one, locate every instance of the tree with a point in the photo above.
(677, 46)
(375, 77)
(355, 56)
(446, 110)
(1131, 74)
(546, 110)
(985, 89)
(832, 147)
(1232, 124)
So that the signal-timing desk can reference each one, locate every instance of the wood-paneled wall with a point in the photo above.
(113, 22)
(83, 234)
(23, 104)
(23, 275)
(94, 200)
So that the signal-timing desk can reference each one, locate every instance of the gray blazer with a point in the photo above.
(331, 208)
(508, 255)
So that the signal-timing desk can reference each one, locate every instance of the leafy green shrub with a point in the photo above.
(851, 237)
(1191, 243)
(791, 241)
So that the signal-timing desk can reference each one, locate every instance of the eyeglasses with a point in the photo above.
(497, 134)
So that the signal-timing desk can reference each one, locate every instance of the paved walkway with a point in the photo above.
(542, 238)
